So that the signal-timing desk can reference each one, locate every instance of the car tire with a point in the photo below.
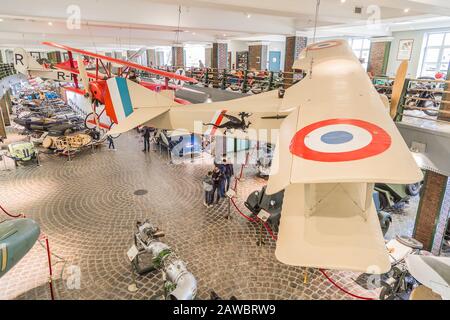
(413, 189)
(386, 292)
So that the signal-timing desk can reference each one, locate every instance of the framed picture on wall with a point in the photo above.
(405, 47)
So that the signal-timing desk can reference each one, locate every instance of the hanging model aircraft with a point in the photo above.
(336, 139)
(97, 85)
(17, 237)
(25, 64)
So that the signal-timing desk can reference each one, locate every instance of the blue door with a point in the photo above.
(274, 60)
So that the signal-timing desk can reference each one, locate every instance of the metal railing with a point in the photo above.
(422, 94)
(6, 69)
(255, 81)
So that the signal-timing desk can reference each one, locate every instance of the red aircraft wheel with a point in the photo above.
(89, 121)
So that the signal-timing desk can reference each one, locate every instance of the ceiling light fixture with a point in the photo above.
(406, 10)
(50, 23)
(224, 35)
(249, 15)
(1, 20)
(343, 1)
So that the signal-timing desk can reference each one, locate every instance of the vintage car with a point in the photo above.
(272, 204)
(22, 152)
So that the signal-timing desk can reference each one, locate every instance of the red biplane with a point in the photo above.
(97, 90)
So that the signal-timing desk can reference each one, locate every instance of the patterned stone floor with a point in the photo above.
(88, 210)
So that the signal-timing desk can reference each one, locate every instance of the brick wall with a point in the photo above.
(219, 57)
(377, 63)
(218, 61)
(294, 45)
(430, 208)
(178, 56)
(257, 57)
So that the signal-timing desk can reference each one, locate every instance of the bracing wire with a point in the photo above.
(315, 20)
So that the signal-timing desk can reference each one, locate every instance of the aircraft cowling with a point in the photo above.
(98, 89)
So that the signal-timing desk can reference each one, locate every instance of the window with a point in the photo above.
(361, 48)
(195, 56)
(436, 54)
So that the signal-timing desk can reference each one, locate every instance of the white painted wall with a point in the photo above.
(419, 37)
(413, 66)
(236, 46)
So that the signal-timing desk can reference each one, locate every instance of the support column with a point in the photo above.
(257, 56)
(378, 57)
(219, 59)
(445, 97)
(151, 57)
(433, 211)
(178, 56)
(294, 45)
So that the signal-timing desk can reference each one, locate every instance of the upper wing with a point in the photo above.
(339, 129)
(122, 62)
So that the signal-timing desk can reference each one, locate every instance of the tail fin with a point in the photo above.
(24, 62)
(124, 100)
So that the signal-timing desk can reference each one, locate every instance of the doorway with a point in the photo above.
(274, 61)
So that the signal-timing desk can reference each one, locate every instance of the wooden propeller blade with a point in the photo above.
(398, 87)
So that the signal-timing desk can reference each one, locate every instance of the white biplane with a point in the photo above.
(336, 139)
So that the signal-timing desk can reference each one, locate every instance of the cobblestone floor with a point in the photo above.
(88, 209)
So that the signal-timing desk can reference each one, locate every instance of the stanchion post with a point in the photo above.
(230, 194)
(50, 270)
(260, 242)
(37, 159)
(244, 84)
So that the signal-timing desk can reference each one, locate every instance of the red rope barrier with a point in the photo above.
(266, 226)
(342, 289)
(241, 213)
(10, 214)
(50, 270)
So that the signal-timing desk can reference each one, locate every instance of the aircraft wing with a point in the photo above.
(335, 236)
(122, 62)
(337, 141)
(342, 131)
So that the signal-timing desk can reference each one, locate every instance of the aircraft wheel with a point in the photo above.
(385, 223)
(386, 292)
(413, 189)
(90, 117)
(114, 136)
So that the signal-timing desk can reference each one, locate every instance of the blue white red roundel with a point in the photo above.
(336, 140)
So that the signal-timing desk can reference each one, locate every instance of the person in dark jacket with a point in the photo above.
(111, 142)
(146, 136)
(228, 173)
(217, 177)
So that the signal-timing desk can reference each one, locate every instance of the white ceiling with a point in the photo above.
(130, 24)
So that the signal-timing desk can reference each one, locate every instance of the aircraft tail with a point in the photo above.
(129, 104)
(24, 62)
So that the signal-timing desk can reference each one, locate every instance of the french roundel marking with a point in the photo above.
(337, 140)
